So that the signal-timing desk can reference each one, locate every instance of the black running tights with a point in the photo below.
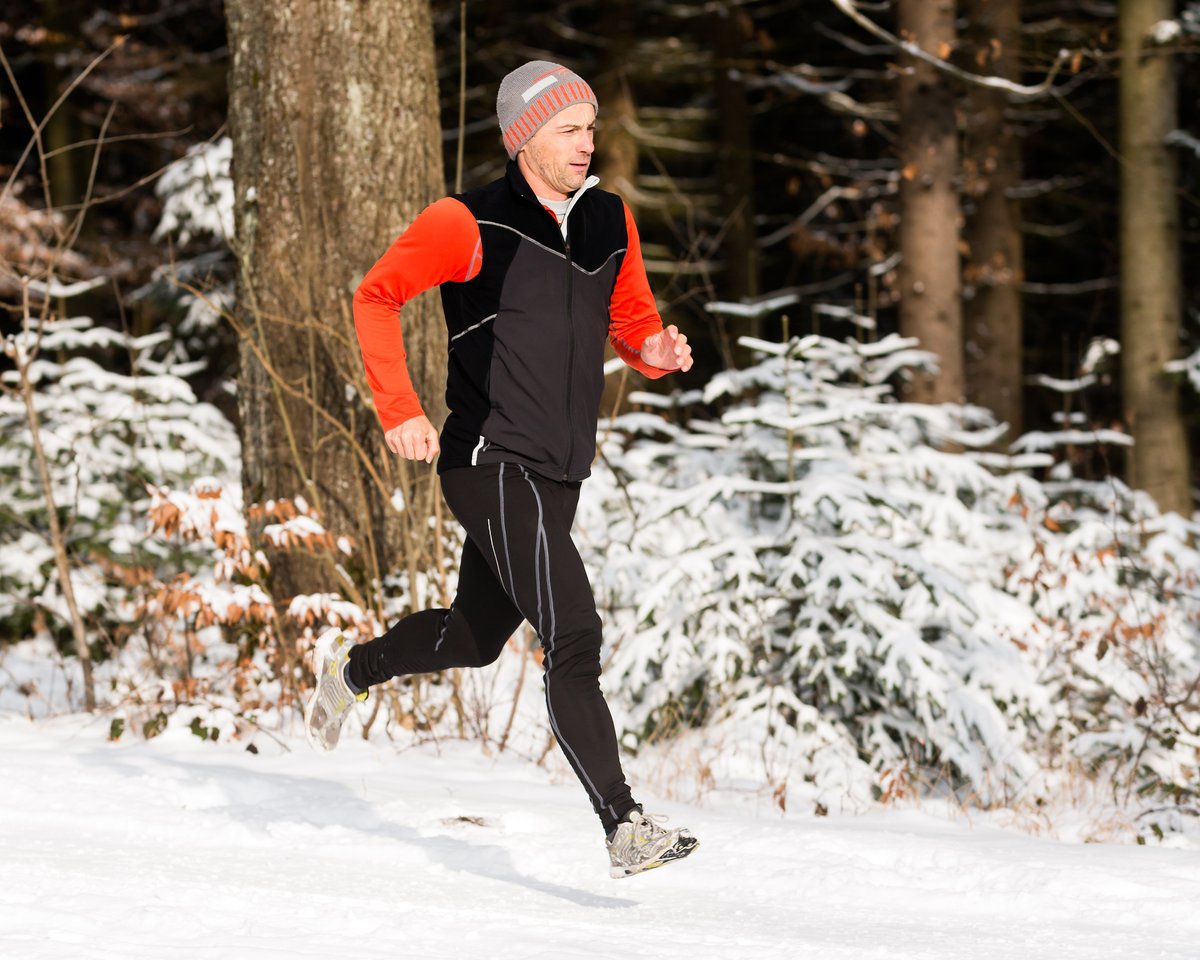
(518, 563)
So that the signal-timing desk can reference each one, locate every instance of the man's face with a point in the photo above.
(558, 155)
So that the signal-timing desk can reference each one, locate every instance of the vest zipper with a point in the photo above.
(570, 363)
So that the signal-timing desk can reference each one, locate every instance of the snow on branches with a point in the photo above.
(197, 193)
(108, 416)
(841, 591)
(250, 647)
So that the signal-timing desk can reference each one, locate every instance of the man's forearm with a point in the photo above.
(441, 245)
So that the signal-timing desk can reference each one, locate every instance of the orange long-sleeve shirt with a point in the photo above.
(443, 245)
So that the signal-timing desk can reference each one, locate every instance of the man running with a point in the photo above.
(536, 269)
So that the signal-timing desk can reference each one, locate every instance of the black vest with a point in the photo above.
(527, 334)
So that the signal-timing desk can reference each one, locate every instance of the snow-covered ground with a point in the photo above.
(178, 848)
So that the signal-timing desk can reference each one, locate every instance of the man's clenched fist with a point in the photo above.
(414, 439)
(668, 350)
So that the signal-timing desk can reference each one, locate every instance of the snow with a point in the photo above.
(185, 848)
(1098, 350)
(757, 308)
(1166, 31)
(1041, 440)
(844, 313)
(197, 192)
(808, 603)
(1190, 366)
(65, 291)
(1064, 386)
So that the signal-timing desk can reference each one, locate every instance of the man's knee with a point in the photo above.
(490, 653)
(575, 652)
(486, 636)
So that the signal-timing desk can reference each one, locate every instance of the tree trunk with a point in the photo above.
(616, 148)
(735, 170)
(930, 294)
(67, 169)
(62, 562)
(992, 316)
(334, 116)
(1151, 311)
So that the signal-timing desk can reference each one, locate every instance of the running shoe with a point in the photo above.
(333, 698)
(639, 844)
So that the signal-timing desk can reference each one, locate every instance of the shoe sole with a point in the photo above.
(684, 847)
(321, 655)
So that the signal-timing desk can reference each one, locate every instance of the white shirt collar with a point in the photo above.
(562, 208)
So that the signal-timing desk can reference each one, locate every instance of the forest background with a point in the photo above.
(970, 571)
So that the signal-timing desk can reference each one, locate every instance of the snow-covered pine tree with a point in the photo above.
(851, 596)
(1115, 586)
(196, 287)
(813, 579)
(114, 412)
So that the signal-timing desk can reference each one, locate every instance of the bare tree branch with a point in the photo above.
(36, 139)
(80, 144)
(850, 9)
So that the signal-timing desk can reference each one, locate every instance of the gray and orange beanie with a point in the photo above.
(532, 94)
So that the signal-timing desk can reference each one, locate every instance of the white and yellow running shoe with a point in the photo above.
(333, 698)
(639, 843)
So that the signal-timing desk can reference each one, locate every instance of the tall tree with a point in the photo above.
(992, 316)
(334, 115)
(730, 27)
(1151, 310)
(616, 158)
(616, 161)
(930, 278)
(65, 167)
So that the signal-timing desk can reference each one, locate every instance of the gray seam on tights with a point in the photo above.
(543, 541)
(512, 593)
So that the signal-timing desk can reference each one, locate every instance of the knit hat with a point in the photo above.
(532, 94)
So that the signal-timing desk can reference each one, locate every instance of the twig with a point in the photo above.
(77, 226)
(61, 560)
(121, 138)
(36, 139)
(525, 654)
(850, 9)
(462, 92)
(259, 727)
(277, 377)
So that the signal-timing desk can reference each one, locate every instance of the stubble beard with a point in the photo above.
(565, 178)
(575, 178)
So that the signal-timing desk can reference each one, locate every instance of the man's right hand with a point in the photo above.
(414, 439)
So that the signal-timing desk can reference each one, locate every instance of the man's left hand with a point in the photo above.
(668, 350)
